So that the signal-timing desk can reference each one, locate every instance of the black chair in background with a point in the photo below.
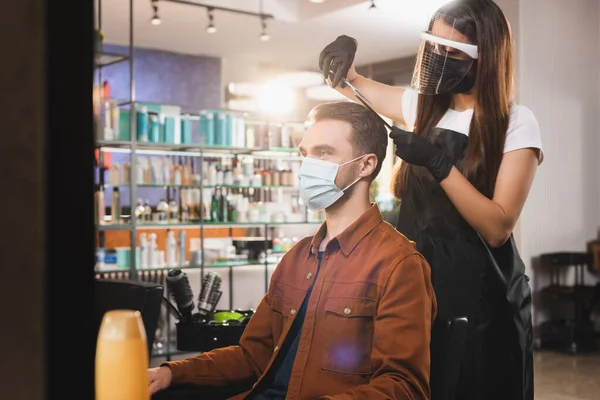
(575, 333)
(144, 297)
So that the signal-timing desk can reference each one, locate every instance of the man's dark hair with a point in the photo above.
(369, 135)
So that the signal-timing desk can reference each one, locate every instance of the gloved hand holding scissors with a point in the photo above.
(417, 150)
(336, 61)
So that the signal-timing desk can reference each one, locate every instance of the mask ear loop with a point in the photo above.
(351, 161)
(350, 185)
(358, 179)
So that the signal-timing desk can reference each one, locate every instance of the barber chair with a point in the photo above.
(451, 335)
(144, 297)
(576, 332)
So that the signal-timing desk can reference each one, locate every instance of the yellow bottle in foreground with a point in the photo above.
(122, 357)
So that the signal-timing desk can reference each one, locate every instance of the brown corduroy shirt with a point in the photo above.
(366, 331)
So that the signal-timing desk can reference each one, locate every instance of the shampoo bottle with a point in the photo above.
(115, 208)
(171, 249)
(144, 254)
(100, 206)
(154, 135)
(153, 250)
(142, 124)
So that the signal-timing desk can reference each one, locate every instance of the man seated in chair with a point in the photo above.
(349, 311)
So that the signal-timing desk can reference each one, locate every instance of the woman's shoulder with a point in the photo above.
(521, 115)
(523, 131)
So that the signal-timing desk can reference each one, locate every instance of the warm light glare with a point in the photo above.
(275, 98)
(155, 21)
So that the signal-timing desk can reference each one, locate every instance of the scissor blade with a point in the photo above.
(356, 91)
(365, 101)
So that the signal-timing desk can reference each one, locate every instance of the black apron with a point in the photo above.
(487, 286)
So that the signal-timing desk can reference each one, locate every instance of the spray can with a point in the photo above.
(182, 243)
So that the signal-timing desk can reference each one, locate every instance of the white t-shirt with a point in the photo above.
(523, 128)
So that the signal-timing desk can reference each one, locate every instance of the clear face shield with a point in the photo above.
(445, 57)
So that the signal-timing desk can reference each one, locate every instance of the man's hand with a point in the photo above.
(415, 149)
(159, 378)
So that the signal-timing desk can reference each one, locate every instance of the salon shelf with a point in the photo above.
(166, 147)
(155, 185)
(217, 264)
(254, 224)
(225, 264)
(162, 185)
(179, 225)
(279, 152)
(195, 147)
(294, 223)
(170, 267)
(249, 187)
(284, 150)
(196, 225)
(115, 270)
(197, 150)
(104, 58)
(117, 144)
(113, 227)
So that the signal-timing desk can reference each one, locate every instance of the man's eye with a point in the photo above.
(323, 154)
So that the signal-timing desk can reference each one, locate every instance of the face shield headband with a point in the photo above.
(445, 58)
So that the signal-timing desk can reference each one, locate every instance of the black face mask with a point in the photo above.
(445, 74)
(464, 86)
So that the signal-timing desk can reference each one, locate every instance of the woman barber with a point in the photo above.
(465, 172)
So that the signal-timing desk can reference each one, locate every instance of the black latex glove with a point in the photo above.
(336, 59)
(417, 150)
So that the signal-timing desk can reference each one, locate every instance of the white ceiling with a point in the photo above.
(300, 30)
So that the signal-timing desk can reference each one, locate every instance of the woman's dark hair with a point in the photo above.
(488, 28)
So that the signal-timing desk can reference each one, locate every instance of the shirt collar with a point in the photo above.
(352, 235)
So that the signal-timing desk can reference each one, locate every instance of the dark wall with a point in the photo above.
(46, 168)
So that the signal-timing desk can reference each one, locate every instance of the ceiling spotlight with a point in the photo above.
(155, 18)
(372, 6)
(264, 36)
(211, 28)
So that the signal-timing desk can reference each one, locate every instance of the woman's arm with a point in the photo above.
(385, 100)
(336, 61)
(495, 219)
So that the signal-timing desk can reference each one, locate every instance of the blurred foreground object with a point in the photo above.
(122, 357)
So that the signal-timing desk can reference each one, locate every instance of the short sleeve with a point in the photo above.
(410, 99)
(523, 131)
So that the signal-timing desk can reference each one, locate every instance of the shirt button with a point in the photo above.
(347, 310)
(309, 275)
(293, 312)
(276, 348)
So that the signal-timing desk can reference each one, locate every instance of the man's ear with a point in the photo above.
(369, 164)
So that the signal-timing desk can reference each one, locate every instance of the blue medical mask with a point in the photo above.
(317, 183)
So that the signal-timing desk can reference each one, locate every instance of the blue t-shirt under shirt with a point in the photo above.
(274, 387)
